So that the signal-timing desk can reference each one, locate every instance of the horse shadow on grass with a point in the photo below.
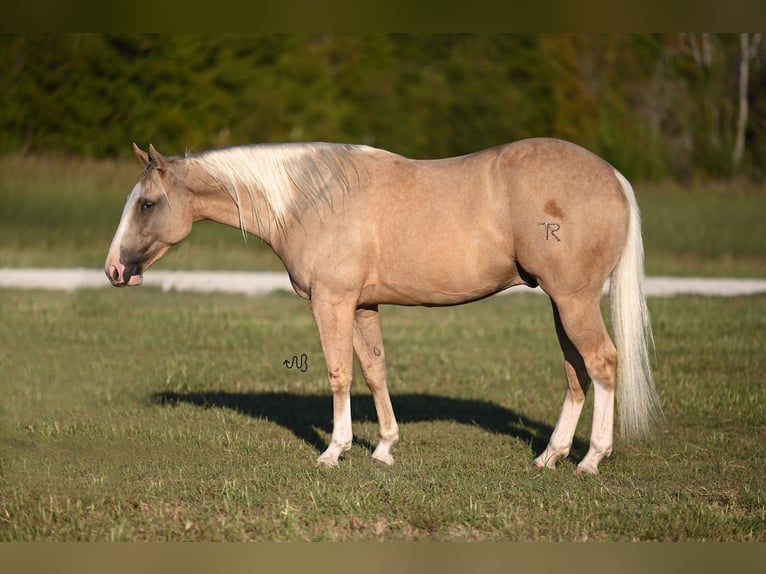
(306, 415)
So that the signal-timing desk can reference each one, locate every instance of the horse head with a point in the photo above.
(156, 216)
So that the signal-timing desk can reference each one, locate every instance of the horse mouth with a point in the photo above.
(126, 269)
(135, 280)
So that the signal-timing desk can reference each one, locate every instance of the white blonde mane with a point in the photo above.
(284, 178)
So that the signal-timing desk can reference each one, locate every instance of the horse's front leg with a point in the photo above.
(335, 322)
(368, 344)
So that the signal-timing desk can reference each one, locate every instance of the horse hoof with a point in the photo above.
(585, 470)
(548, 462)
(323, 462)
(383, 460)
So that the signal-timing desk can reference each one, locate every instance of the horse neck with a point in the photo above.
(211, 202)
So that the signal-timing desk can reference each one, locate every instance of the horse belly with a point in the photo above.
(443, 270)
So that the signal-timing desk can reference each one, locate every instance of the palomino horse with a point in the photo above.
(357, 227)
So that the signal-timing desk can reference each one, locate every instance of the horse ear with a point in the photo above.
(141, 154)
(157, 159)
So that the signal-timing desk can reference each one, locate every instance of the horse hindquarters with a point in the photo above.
(591, 356)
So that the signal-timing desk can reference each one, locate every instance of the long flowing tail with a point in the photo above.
(637, 401)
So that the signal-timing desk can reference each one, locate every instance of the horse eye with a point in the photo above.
(147, 206)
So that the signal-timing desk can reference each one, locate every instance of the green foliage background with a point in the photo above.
(645, 102)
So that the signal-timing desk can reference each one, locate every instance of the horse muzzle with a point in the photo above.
(121, 275)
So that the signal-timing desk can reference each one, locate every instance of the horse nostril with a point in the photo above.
(115, 273)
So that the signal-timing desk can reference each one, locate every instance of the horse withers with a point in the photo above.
(357, 227)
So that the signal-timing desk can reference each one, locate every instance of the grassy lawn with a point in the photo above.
(61, 213)
(141, 415)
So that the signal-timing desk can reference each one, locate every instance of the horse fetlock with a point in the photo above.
(596, 453)
(329, 457)
(600, 449)
(389, 436)
(382, 452)
(550, 457)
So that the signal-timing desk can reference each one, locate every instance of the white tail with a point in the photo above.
(637, 401)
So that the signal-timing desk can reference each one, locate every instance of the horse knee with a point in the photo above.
(339, 380)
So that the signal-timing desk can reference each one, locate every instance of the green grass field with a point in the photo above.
(141, 415)
(62, 213)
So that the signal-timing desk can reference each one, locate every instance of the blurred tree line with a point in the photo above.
(656, 106)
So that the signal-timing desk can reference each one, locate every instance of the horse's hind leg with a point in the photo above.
(590, 355)
(578, 382)
(368, 344)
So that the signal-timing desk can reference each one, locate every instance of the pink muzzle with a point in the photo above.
(121, 276)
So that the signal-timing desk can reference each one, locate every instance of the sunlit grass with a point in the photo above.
(704, 230)
(141, 415)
